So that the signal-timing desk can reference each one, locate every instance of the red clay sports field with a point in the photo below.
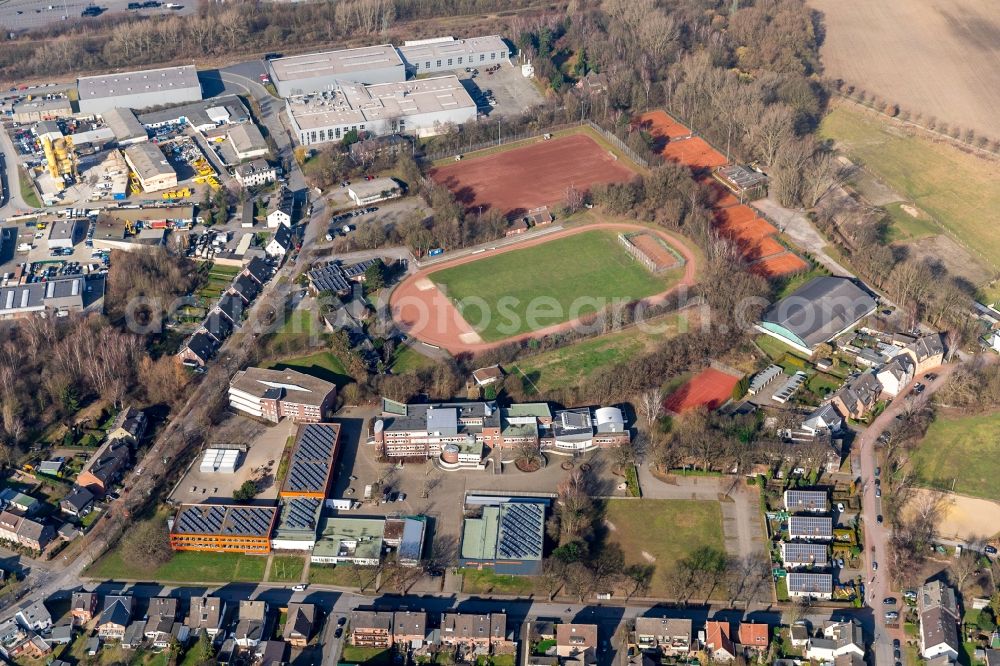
(537, 174)
(710, 388)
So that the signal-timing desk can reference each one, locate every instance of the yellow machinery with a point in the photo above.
(178, 194)
(60, 156)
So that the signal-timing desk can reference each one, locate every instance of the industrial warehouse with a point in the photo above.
(151, 167)
(314, 72)
(422, 107)
(138, 90)
(382, 63)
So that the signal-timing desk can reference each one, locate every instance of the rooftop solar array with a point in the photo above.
(805, 553)
(810, 526)
(522, 527)
(806, 500)
(300, 513)
(227, 520)
(810, 583)
(312, 459)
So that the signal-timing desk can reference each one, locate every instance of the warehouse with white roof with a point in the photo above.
(138, 90)
(313, 72)
(444, 54)
(421, 107)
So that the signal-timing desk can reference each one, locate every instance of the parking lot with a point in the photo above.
(511, 92)
(259, 464)
(17, 15)
(32, 248)
(389, 214)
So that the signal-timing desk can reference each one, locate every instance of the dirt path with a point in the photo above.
(422, 311)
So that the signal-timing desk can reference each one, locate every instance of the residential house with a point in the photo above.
(280, 209)
(77, 503)
(798, 635)
(252, 620)
(13, 639)
(823, 419)
(83, 607)
(409, 628)
(810, 585)
(59, 635)
(927, 353)
(718, 644)
(858, 396)
(802, 555)
(672, 636)
(371, 628)
(105, 467)
(895, 375)
(939, 618)
(134, 636)
(198, 350)
(271, 653)
(160, 621)
(255, 173)
(577, 642)
(26, 532)
(231, 308)
(838, 639)
(806, 501)
(300, 624)
(130, 424)
(34, 616)
(115, 617)
(26, 505)
(810, 528)
(258, 270)
(246, 288)
(754, 636)
(280, 243)
(52, 467)
(475, 632)
(206, 614)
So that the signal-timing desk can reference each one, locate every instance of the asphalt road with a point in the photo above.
(14, 202)
(878, 584)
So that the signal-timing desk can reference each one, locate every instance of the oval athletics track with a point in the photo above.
(422, 311)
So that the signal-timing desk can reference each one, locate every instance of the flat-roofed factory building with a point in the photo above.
(423, 107)
(138, 90)
(223, 528)
(443, 54)
(313, 72)
(150, 166)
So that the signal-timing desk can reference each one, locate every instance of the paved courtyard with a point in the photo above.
(261, 462)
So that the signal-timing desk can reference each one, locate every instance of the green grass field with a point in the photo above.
(668, 530)
(354, 654)
(484, 581)
(27, 189)
(407, 360)
(775, 348)
(286, 569)
(964, 451)
(905, 227)
(342, 575)
(185, 567)
(528, 289)
(575, 363)
(958, 190)
(321, 364)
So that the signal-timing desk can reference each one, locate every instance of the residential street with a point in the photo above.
(878, 585)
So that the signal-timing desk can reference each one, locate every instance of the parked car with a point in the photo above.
(889, 601)
(874, 566)
(990, 550)
(879, 519)
(878, 492)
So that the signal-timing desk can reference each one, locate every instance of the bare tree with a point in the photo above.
(650, 405)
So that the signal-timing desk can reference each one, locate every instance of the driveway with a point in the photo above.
(797, 227)
(879, 585)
